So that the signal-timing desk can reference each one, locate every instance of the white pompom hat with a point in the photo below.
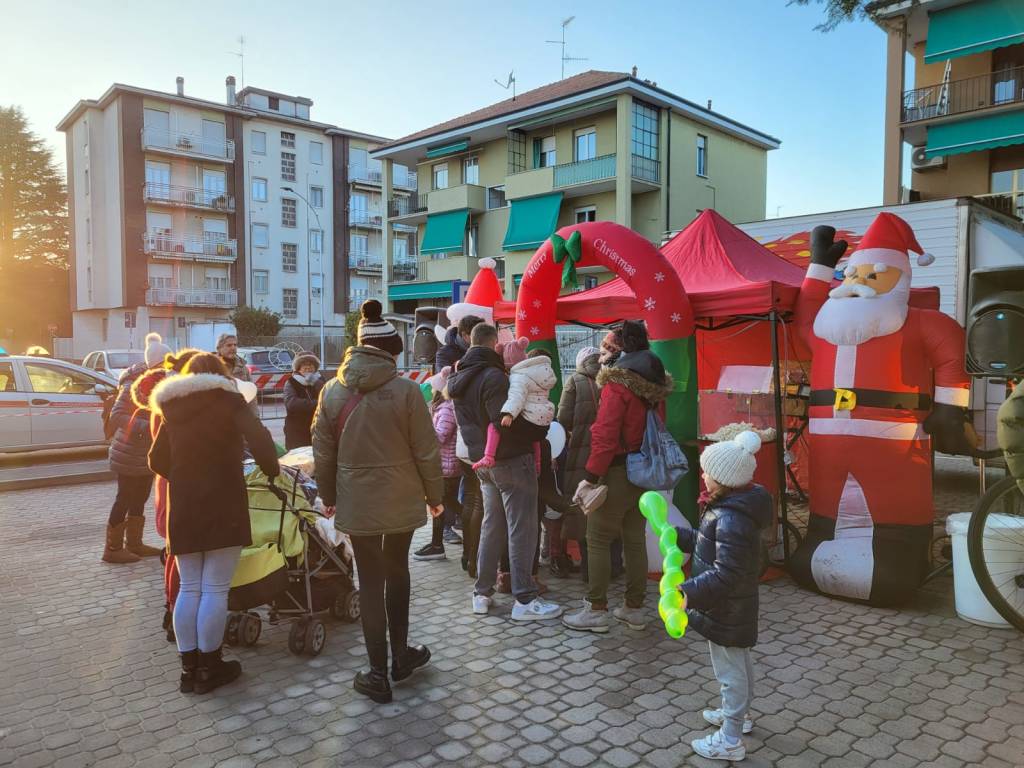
(731, 462)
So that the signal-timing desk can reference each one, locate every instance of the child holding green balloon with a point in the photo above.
(721, 594)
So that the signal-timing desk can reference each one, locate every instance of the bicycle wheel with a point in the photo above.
(995, 543)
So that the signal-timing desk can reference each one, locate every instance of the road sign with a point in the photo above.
(459, 290)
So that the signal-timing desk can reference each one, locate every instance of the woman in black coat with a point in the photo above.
(198, 449)
(301, 394)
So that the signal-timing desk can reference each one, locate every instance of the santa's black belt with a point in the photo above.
(848, 399)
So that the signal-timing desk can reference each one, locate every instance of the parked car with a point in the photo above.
(51, 404)
(261, 360)
(113, 362)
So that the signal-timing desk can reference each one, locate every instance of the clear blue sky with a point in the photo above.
(391, 68)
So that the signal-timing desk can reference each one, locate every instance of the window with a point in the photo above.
(359, 209)
(289, 257)
(216, 282)
(290, 302)
(585, 145)
(496, 197)
(260, 235)
(157, 124)
(274, 103)
(588, 213)
(441, 176)
(287, 139)
(259, 190)
(471, 170)
(287, 212)
(544, 154)
(499, 268)
(645, 164)
(259, 142)
(316, 197)
(316, 241)
(702, 155)
(288, 166)
(58, 380)
(6, 377)
(473, 237)
(261, 281)
(316, 153)
(359, 244)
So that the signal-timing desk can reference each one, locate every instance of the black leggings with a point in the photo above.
(472, 519)
(382, 563)
(132, 495)
(452, 509)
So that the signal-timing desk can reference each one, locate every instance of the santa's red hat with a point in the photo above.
(484, 292)
(888, 243)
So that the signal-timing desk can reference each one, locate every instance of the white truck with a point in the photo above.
(203, 335)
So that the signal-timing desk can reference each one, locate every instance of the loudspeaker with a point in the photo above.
(995, 321)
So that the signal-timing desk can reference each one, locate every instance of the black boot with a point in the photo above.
(415, 656)
(169, 626)
(213, 671)
(189, 662)
(374, 684)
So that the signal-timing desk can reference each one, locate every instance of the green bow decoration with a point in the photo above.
(569, 251)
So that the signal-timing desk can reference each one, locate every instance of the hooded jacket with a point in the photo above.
(1010, 433)
(385, 466)
(577, 411)
(529, 387)
(300, 401)
(131, 441)
(479, 389)
(198, 448)
(721, 594)
(635, 383)
(453, 349)
(446, 429)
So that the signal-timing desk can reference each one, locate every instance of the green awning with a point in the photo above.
(531, 221)
(439, 288)
(976, 134)
(445, 232)
(973, 28)
(448, 149)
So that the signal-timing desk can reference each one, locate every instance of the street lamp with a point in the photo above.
(323, 348)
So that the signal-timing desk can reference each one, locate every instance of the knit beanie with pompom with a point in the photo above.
(375, 331)
(155, 350)
(731, 462)
(513, 352)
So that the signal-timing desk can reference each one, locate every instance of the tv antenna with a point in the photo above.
(565, 23)
(510, 84)
(240, 53)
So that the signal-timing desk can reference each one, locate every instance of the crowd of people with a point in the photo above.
(475, 459)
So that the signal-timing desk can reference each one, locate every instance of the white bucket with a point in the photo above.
(971, 603)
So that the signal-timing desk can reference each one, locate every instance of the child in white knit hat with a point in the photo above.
(726, 570)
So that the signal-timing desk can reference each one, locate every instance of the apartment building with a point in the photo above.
(597, 146)
(182, 209)
(954, 119)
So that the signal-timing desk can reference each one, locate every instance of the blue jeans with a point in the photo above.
(509, 490)
(201, 610)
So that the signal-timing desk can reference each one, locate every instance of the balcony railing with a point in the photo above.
(585, 171)
(404, 270)
(405, 206)
(967, 95)
(191, 297)
(168, 246)
(1010, 203)
(646, 169)
(368, 261)
(359, 217)
(404, 179)
(188, 197)
(366, 174)
(188, 144)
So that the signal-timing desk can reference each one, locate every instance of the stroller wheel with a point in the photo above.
(231, 630)
(297, 637)
(316, 637)
(249, 629)
(346, 605)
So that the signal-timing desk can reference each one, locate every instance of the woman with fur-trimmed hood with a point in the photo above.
(301, 394)
(636, 383)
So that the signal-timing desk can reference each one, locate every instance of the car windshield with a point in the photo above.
(280, 358)
(125, 359)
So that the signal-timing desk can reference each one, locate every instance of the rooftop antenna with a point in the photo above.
(565, 23)
(240, 53)
(510, 84)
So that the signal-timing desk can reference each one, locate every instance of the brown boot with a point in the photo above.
(133, 537)
(115, 552)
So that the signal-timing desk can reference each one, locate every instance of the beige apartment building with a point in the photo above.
(954, 119)
(597, 146)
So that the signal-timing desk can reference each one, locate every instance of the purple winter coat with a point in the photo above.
(445, 427)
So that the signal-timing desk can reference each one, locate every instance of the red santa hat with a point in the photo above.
(484, 292)
(888, 243)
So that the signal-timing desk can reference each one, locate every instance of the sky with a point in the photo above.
(391, 67)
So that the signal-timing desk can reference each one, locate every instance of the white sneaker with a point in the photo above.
(482, 604)
(536, 610)
(634, 618)
(713, 747)
(717, 718)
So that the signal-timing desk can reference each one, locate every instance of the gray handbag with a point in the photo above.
(660, 463)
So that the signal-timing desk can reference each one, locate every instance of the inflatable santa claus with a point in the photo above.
(887, 387)
(484, 292)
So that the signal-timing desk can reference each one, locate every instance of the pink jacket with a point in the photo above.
(445, 427)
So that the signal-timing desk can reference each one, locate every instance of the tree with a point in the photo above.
(838, 11)
(253, 322)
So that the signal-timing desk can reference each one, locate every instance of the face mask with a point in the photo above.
(307, 380)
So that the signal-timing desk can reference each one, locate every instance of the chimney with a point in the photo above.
(709, 105)
(180, 81)
(230, 83)
(634, 70)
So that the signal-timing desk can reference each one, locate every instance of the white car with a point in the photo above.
(113, 362)
(48, 403)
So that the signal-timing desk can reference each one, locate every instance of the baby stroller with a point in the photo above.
(297, 566)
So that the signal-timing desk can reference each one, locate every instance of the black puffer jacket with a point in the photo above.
(453, 350)
(721, 595)
(300, 401)
(131, 441)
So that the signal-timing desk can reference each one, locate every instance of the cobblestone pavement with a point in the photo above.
(88, 679)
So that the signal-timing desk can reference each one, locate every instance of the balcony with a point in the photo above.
(957, 97)
(441, 267)
(407, 206)
(404, 179)
(188, 197)
(191, 297)
(584, 171)
(164, 245)
(365, 262)
(1012, 204)
(188, 145)
(365, 219)
(366, 174)
(645, 169)
(357, 296)
(464, 196)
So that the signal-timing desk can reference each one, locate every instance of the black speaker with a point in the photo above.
(995, 321)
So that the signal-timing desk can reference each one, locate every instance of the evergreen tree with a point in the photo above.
(838, 11)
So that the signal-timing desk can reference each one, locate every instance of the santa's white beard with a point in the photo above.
(851, 320)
